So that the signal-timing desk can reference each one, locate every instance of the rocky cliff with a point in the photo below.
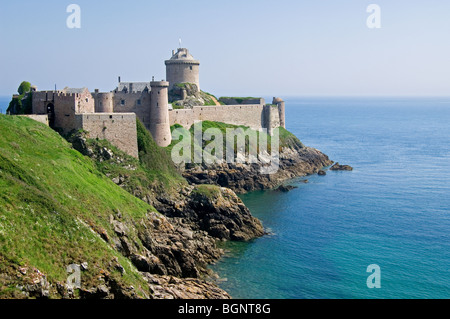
(244, 177)
(295, 160)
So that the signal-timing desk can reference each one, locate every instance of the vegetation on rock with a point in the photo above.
(21, 104)
(193, 97)
(235, 100)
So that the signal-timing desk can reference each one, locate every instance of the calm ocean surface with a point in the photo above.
(393, 210)
(4, 103)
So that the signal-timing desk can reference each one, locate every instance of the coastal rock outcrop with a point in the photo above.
(339, 167)
(169, 287)
(212, 209)
(243, 178)
(171, 247)
(285, 188)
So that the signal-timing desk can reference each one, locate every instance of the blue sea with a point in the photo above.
(393, 210)
(4, 103)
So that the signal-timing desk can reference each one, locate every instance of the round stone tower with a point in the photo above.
(159, 113)
(103, 102)
(182, 68)
(281, 110)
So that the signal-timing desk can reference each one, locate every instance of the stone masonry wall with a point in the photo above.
(274, 119)
(66, 105)
(248, 115)
(138, 103)
(117, 128)
(39, 118)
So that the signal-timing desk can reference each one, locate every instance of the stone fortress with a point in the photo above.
(112, 115)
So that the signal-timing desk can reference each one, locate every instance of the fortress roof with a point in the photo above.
(133, 86)
(277, 100)
(74, 90)
(182, 55)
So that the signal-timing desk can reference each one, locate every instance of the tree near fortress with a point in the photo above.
(21, 104)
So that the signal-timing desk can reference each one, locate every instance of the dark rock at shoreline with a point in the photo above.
(322, 173)
(215, 210)
(168, 287)
(243, 178)
(338, 167)
(285, 188)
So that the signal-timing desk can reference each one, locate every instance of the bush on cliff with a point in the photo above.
(235, 100)
(24, 87)
(209, 191)
(22, 103)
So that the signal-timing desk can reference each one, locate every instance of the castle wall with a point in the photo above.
(39, 101)
(271, 118)
(119, 129)
(248, 115)
(66, 105)
(39, 118)
(136, 102)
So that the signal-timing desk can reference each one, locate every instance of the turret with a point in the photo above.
(159, 113)
(103, 102)
(281, 110)
(182, 68)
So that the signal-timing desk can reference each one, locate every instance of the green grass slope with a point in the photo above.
(156, 161)
(53, 204)
(154, 171)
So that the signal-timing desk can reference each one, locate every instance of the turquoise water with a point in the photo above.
(393, 210)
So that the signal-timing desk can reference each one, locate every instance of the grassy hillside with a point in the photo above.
(54, 203)
(156, 161)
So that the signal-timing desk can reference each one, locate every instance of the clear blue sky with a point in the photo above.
(246, 47)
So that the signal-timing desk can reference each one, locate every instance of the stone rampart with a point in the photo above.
(117, 128)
